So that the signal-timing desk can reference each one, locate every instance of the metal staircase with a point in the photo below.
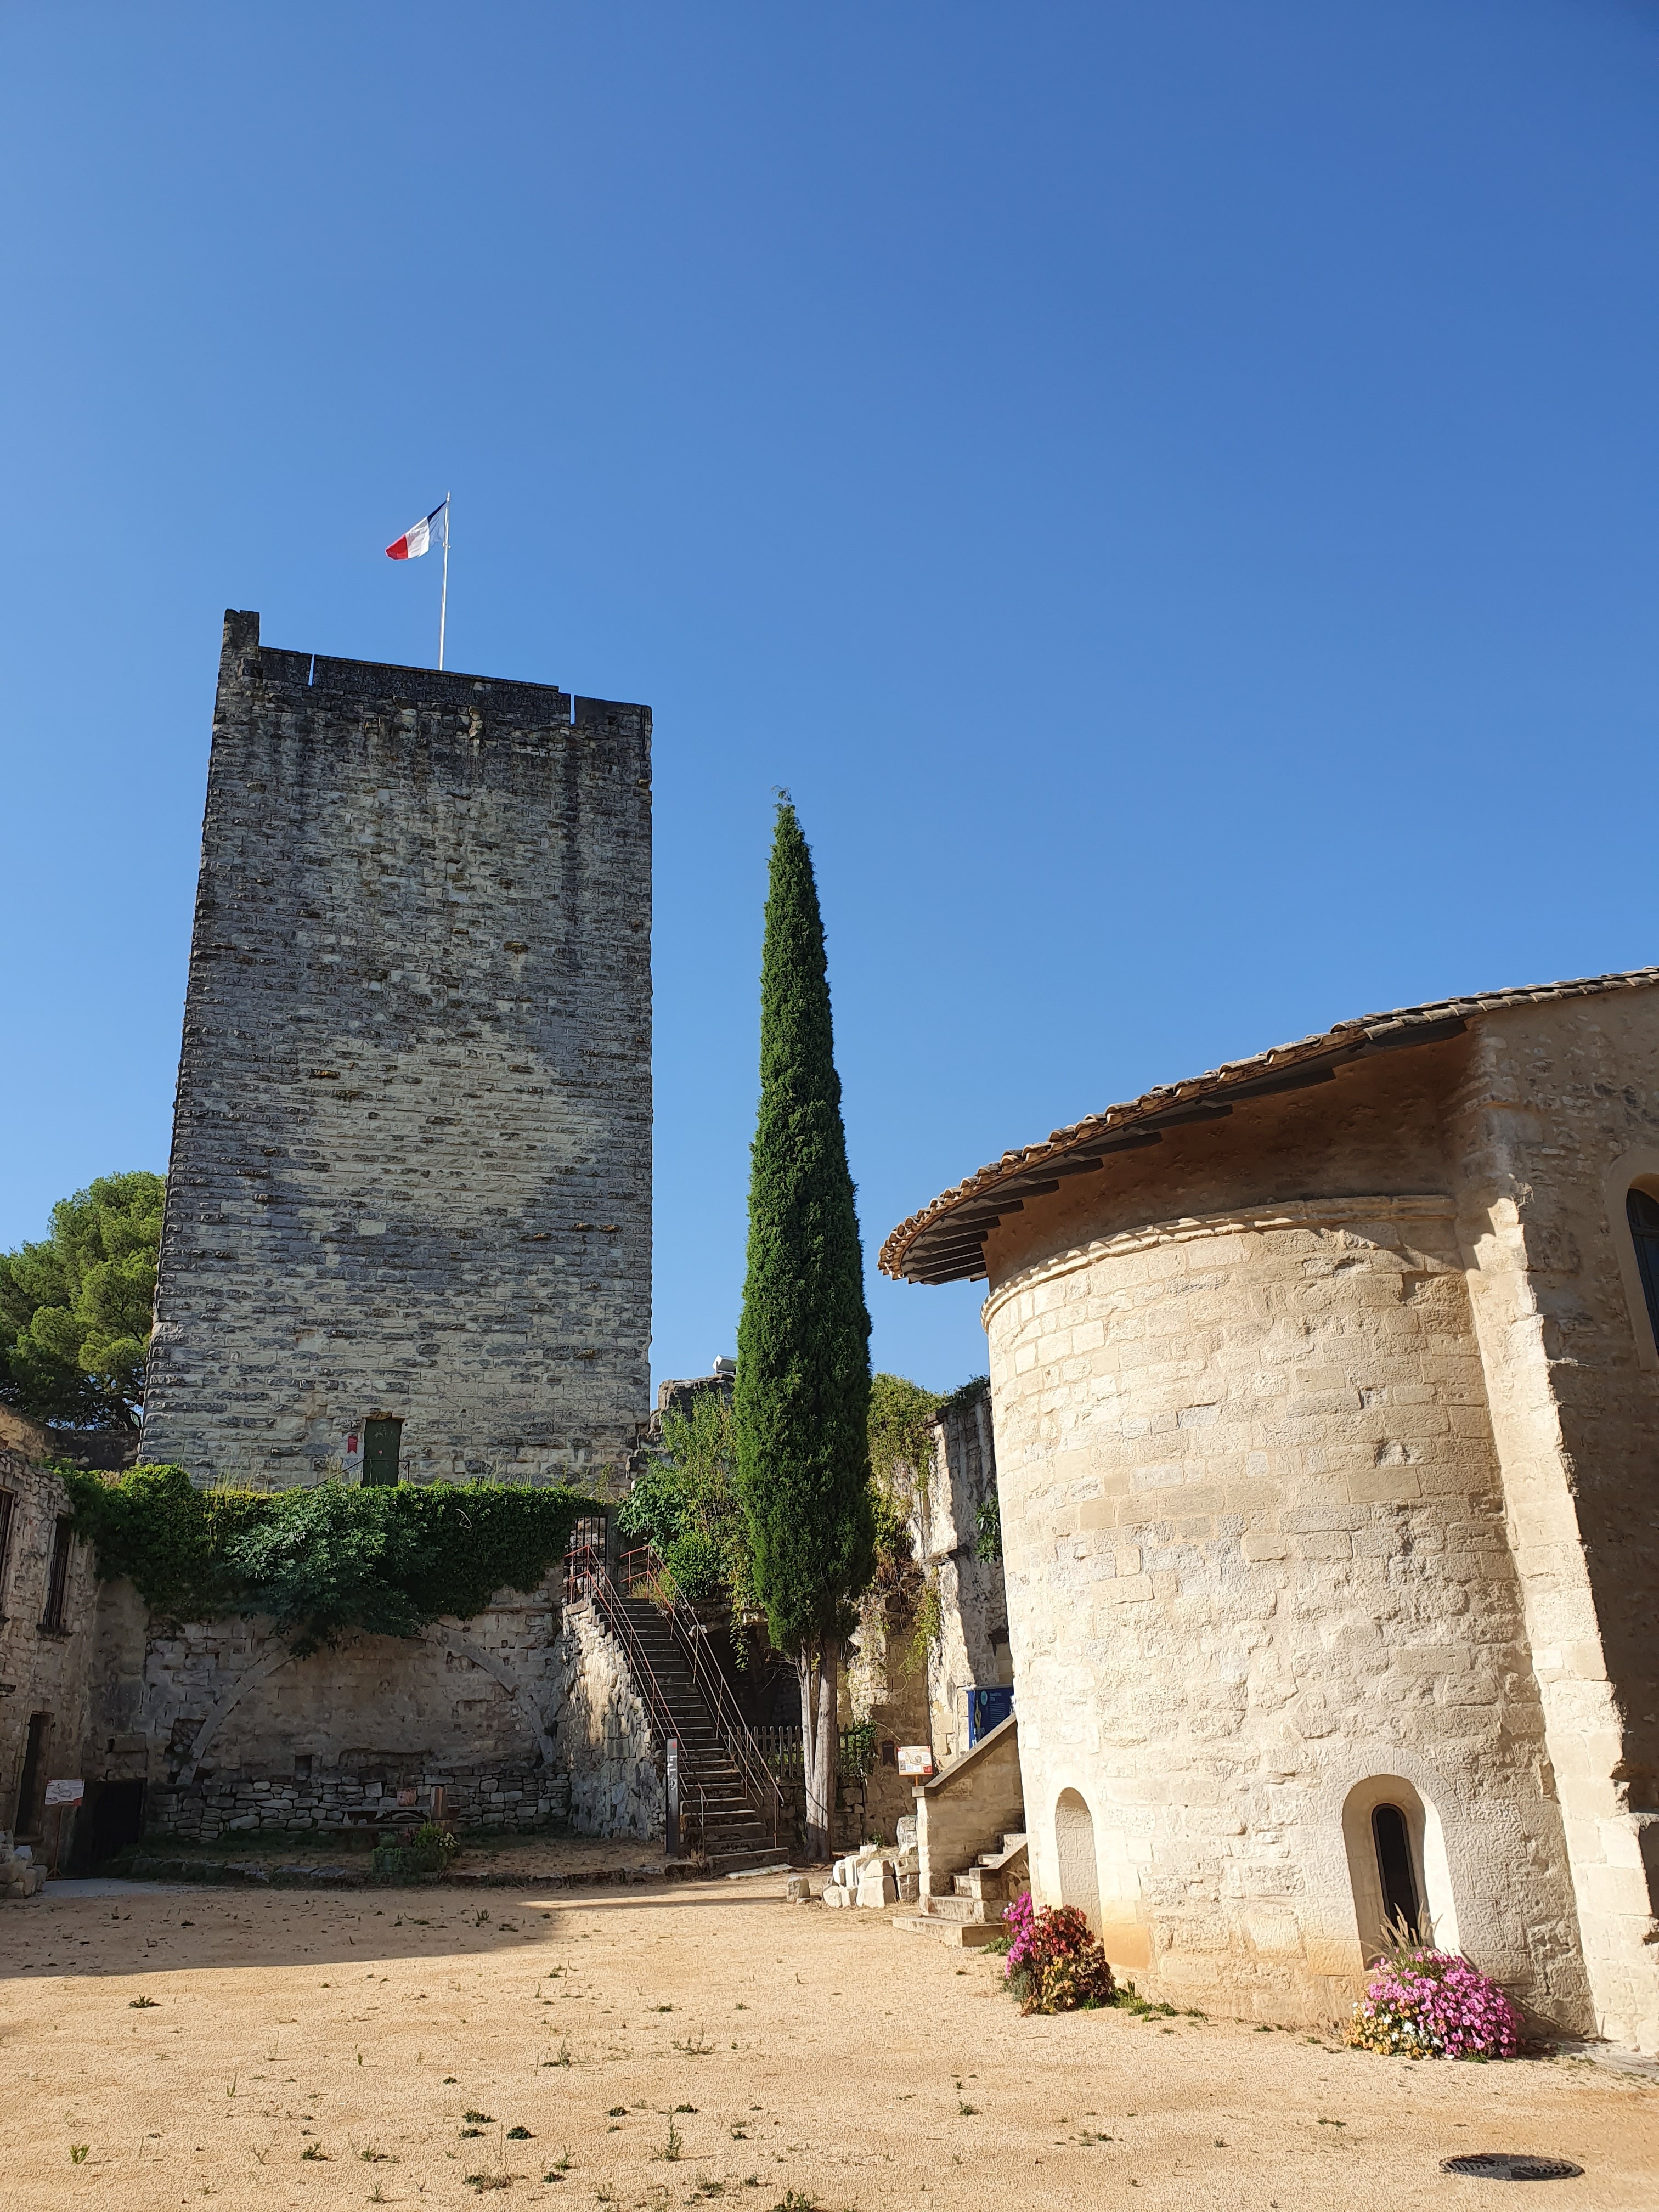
(731, 1810)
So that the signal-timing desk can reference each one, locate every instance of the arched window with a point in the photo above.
(1392, 1837)
(1642, 1212)
(1397, 1864)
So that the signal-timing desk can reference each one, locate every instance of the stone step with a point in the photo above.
(966, 1911)
(961, 1935)
(739, 1862)
(1013, 1846)
(981, 1882)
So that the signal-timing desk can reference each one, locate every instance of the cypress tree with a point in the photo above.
(802, 1401)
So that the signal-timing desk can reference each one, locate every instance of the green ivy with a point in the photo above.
(988, 1529)
(323, 1562)
(901, 1417)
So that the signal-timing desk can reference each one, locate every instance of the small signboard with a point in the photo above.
(351, 1457)
(915, 1759)
(65, 1793)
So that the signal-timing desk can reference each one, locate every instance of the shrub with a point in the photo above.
(429, 1851)
(1424, 2003)
(1053, 1963)
(323, 1561)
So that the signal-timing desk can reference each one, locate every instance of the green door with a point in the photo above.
(380, 1441)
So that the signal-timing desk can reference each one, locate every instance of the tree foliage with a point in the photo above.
(323, 1562)
(684, 1505)
(802, 1388)
(75, 1310)
(800, 1411)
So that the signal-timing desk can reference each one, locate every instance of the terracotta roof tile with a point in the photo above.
(941, 1260)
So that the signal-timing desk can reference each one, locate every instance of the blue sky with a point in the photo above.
(1170, 489)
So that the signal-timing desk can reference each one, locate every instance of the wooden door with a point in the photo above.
(381, 1444)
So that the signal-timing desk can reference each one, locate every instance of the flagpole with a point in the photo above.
(443, 603)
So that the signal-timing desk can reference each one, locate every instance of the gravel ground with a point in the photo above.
(687, 2045)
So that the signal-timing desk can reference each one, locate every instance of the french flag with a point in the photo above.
(418, 539)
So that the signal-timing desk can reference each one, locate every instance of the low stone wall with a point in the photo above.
(507, 1798)
(231, 1732)
(603, 1734)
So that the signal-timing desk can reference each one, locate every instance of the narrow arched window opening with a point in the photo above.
(1642, 1212)
(1392, 1837)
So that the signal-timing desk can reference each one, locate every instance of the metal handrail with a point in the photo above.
(760, 1784)
(587, 1576)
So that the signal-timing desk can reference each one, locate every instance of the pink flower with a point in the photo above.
(1434, 2004)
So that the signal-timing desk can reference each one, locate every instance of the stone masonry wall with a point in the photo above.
(231, 1731)
(411, 1160)
(1557, 1117)
(604, 1735)
(1255, 1537)
(972, 1649)
(43, 1670)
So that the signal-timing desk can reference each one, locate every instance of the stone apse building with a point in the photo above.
(1326, 1397)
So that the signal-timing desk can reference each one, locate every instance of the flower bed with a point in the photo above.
(1053, 1963)
(1424, 2003)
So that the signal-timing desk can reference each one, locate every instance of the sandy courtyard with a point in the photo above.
(682, 2046)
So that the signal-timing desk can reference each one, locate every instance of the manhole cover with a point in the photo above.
(1510, 2165)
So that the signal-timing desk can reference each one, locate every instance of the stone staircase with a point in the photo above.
(970, 1915)
(711, 1784)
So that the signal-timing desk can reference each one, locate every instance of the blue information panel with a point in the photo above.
(986, 1709)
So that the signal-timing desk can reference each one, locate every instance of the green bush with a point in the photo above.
(429, 1851)
(323, 1562)
(684, 1506)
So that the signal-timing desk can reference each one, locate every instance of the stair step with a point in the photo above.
(965, 1911)
(979, 1883)
(963, 1934)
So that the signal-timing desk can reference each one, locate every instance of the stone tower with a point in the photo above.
(408, 1206)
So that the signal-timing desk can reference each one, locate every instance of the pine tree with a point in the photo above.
(803, 1387)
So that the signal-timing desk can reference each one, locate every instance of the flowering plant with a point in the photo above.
(1425, 2004)
(1053, 1963)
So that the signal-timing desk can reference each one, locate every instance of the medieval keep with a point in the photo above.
(408, 1236)
(1326, 1389)
(408, 1223)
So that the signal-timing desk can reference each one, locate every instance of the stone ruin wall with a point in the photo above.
(42, 1671)
(411, 1161)
(232, 1733)
(914, 1699)
(525, 1715)
(616, 1776)
(972, 1649)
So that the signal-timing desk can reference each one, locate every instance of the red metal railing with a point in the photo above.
(641, 1575)
(587, 1578)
